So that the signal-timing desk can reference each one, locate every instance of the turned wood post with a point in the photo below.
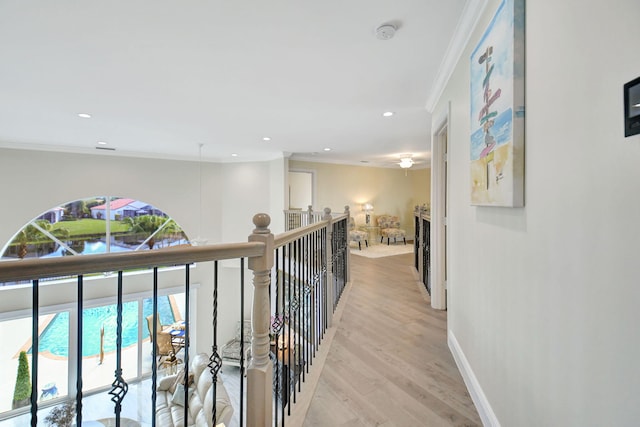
(260, 372)
(310, 215)
(329, 276)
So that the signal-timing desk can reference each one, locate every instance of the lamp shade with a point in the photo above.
(367, 207)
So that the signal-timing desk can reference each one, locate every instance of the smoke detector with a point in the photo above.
(385, 31)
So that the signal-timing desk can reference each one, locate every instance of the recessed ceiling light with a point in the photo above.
(388, 113)
(234, 155)
(327, 149)
(84, 115)
(102, 143)
(266, 138)
(637, 105)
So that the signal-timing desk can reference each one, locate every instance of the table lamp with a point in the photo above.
(367, 208)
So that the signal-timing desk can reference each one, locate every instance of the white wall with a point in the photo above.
(300, 190)
(34, 181)
(543, 300)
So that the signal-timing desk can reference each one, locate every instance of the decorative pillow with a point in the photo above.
(178, 379)
(166, 383)
(178, 395)
(190, 380)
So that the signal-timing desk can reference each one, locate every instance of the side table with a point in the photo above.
(170, 365)
(373, 231)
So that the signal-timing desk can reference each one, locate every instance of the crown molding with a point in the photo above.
(466, 24)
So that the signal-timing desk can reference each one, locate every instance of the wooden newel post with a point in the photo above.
(330, 285)
(310, 215)
(260, 372)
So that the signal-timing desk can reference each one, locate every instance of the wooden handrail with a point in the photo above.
(292, 235)
(38, 268)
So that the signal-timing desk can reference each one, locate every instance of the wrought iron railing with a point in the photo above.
(422, 245)
(310, 274)
(296, 218)
(79, 266)
(311, 270)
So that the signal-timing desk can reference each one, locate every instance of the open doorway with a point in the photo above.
(301, 189)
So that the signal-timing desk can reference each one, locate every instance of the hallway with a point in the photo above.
(389, 364)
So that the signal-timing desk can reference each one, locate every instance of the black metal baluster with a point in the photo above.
(285, 368)
(323, 292)
(298, 332)
(416, 241)
(285, 272)
(303, 326)
(215, 361)
(241, 341)
(314, 298)
(119, 386)
(80, 314)
(35, 337)
(313, 285)
(154, 355)
(308, 301)
(293, 298)
(274, 331)
(186, 341)
(286, 312)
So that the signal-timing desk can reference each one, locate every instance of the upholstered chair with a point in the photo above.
(390, 228)
(230, 352)
(357, 235)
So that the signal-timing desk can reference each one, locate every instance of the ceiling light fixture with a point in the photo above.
(266, 138)
(385, 31)
(84, 115)
(406, 162)
(388, 113)
(102, 143)
(234, 155)
(327, 149)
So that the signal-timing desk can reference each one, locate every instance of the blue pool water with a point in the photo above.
(92, 247)
(54, 338)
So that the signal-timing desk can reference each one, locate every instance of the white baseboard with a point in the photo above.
(485, 411)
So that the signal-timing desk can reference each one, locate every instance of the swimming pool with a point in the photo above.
(55, 338)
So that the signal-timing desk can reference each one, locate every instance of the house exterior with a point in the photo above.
(123, 208)
(52, 215)
(542, 300)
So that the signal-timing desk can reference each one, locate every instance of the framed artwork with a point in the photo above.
(497, 110)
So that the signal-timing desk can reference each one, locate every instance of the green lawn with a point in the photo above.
(90, 226)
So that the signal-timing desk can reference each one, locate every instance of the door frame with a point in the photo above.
(439, 178)
(313, 187)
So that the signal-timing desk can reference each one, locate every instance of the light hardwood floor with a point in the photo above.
(389, 364)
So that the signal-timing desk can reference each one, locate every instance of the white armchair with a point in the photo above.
(230, 352)
(390, 228)
(357, 235)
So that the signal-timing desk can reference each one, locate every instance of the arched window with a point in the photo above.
(95, 225)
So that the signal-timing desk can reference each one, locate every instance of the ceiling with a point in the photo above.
(161, 77)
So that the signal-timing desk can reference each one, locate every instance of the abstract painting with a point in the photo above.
(497, 110)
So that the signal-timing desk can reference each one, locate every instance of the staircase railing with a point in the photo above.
(310, 275)
(422, 245)
(296, 218)
(308, 268)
